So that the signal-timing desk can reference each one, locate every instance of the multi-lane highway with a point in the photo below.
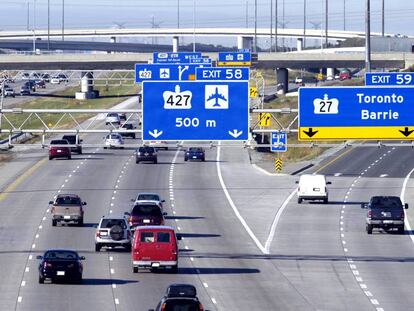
(247, 244)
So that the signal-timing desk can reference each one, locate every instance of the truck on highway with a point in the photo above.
(67, 208)
(385, 212)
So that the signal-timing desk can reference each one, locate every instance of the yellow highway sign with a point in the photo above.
(264, 119)
(278, 164)
(253, 92)
(364, 133)
(234, 63)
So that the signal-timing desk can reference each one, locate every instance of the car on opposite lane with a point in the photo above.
(195, 153)
(385, 212)
(146, 154)
(180, 297)
(113, 231)
(60, 264)
(114, 140)
(57, 149)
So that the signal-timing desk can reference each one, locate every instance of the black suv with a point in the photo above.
(146, 153)
(127, 126)
(180, 297)
(195, 153)
(72, 141)
(385, 212)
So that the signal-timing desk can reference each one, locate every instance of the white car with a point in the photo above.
(113, 231)
(8, 91)
(298, 80)
(112, 118)
(312, 187)
(55, 80)
(148, 197)
(114, 140)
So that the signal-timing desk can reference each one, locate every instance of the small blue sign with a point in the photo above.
(195, 110)
(234, 57)
(175, 58)
(389, 78)
(223, 73)
(165, 72)
(202, 61)
(356, 106)
(279, 142)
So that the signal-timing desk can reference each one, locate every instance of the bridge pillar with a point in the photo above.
(175, 44)
(330, 72)
(87, 91)
(299, 44)
(244, 42)
(282, 80)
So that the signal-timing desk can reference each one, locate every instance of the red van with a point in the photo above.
(155, 247)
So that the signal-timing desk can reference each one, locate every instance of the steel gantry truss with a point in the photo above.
(11, 129)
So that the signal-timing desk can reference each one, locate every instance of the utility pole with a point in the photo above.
(276, 26)
(194, 25)
(283, 23)
(255, 26)
(34, 26)
(383, 18)
(326, 23)
(63, 20)
(271, 26)
(48, 25)
(178, 13)
(304, 23)
(344, 16)
(368, 36)
(28, 17)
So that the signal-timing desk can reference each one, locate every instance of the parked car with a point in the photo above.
(148, 197)
(40, 84)
(195, 153)
(155, 247)
(59, 151)
(67, 208)
(8, 91)
(114, 140)
(113, 231)
(145, 214)
(74, 140)
(127, 126)
(24, 90)
(385, 212)
(60, 264)
(146, 153)
(312, 187)
(180, 297)
(112, 118)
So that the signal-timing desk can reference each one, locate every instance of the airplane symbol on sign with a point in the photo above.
(216, 96)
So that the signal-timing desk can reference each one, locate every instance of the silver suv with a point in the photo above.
(113, 231)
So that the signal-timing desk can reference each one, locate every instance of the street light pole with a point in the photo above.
(368, 36)
(255, 26)
(326, 23)
(63, 20)
(194, 25)
(271, 26)
(34, 26)
(178, 13)
(344, 16)
(304, 23)
(48, 25)
(276, 25)
(383, 18)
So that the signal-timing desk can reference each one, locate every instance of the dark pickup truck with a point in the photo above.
(385, 212)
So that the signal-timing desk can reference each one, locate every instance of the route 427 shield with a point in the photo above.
(195, 110)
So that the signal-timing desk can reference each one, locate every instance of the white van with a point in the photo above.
(312, 187)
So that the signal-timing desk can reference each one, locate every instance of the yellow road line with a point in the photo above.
(334, 160)
(20, 179)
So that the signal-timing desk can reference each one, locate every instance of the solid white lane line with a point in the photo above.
(402, 196)
(233, 206)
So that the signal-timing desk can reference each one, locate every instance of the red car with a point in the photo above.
(59, 151)
(145, 214)
(155, 247)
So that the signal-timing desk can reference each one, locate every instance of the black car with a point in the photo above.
(24, 90)
(40, 84)
(145, 154)
(60, 264)
(385, 212)
(31, 84)
(127, 126)
(195, 153)
(72, 141)
(180, 297)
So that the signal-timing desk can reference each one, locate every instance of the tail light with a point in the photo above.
(369, 214)
(47, 265)
(201, 306)
(163, 307)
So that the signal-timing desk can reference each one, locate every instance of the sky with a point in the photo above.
(209, 13)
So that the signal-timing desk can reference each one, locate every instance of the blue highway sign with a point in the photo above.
(201, 61)
(234, 58)
(337, 113)
(279, 142)
(195, 110)
(165, 72)
(175, 58)
(389, 78)
(222, 73)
